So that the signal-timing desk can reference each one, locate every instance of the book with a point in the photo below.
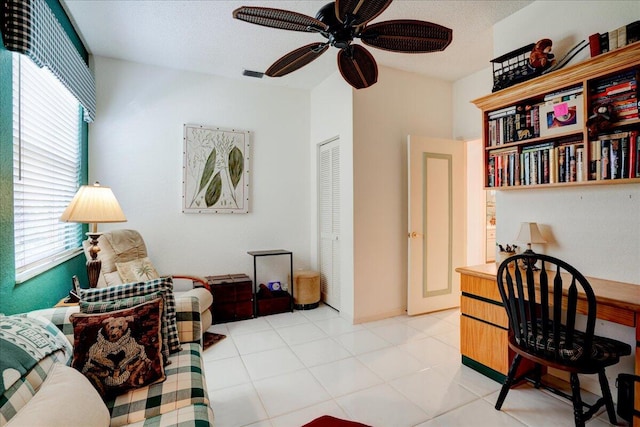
(604, 42)
(633, 137)
(633, 32)
(622, 35)
(605, 168)
(614, 155)
(613, 39)
(624, 157)
(592, 160)
(594, 44)
(579, 164)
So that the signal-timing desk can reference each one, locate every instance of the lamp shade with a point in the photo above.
(93, 204)
(530, 233)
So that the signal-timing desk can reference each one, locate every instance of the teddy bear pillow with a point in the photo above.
(119, 350)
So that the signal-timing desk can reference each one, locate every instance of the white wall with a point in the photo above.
(400, 104)
(332, 116)
(136, 148)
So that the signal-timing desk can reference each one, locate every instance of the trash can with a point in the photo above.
(625, 384)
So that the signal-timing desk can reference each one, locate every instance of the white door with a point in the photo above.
(437, 212)
(329, 221)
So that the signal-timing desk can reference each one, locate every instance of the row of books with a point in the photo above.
(610, 40)
(521, 122)
(620, 92)
(611, 156)
(615, 156)
(546, 163)
(514, 123)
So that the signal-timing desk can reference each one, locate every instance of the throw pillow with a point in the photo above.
(164, 286)
(66, 398)
(138, 270)
(106, 306)
(119, 350)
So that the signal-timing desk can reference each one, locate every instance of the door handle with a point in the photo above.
(413, 235)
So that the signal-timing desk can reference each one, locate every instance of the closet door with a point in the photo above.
(329, 222)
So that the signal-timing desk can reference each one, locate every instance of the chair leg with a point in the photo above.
(537, 375)
(606, 395)
(508, 382)
(577, 400)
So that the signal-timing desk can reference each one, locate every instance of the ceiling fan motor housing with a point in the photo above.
(340, 34)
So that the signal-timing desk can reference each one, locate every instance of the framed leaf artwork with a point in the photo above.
(215, 170)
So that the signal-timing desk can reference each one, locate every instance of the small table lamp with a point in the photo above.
(529, 233)
(93, 204)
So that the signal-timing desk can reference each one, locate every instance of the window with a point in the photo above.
(47, 165)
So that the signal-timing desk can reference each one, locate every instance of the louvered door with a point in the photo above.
(329, 222)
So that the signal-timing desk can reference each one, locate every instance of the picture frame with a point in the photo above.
(216, 170)
(562, 117)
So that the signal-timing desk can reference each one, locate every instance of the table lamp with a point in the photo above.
(93, 204)
(529, 233)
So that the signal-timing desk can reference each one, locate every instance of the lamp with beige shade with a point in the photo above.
(93, 204)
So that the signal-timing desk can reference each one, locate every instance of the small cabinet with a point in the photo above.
(232, 297)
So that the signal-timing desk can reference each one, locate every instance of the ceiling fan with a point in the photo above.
(341, 22)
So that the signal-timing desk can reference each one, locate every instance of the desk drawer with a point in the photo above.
(485, 344)
(492, 313)
(480, 287)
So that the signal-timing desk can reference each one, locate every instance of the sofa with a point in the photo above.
(179, 399)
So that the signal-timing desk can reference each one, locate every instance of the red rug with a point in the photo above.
(329, 421)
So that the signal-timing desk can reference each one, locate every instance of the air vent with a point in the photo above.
(256, 74)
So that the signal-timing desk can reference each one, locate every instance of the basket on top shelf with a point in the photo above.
(521, 64)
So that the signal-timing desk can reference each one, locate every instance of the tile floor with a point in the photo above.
(287, 369)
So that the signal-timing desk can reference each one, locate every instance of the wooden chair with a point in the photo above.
(541, 306)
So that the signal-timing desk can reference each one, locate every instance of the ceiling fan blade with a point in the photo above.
(278, 18)
(361, 11)
(407, 35)
(296, 59)
(357, 66)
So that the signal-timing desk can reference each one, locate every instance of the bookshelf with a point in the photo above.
(535, 133)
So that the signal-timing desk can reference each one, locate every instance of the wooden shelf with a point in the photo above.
(532, 92)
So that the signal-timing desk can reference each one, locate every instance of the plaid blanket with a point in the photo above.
(23, 343)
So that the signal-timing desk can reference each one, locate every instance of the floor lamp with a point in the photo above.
(93, 204)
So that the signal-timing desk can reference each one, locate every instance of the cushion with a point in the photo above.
(602, 349)
(119, 350)
(66, 398)
(106, 306)
(163, 285)
(138, 270)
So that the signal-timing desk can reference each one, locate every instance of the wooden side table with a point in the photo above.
(232, 297)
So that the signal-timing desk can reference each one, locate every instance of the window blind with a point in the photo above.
(47, 159)
(31, 28)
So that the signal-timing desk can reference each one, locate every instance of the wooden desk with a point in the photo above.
(484, 324)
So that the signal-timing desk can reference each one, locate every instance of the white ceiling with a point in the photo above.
(202, 36)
